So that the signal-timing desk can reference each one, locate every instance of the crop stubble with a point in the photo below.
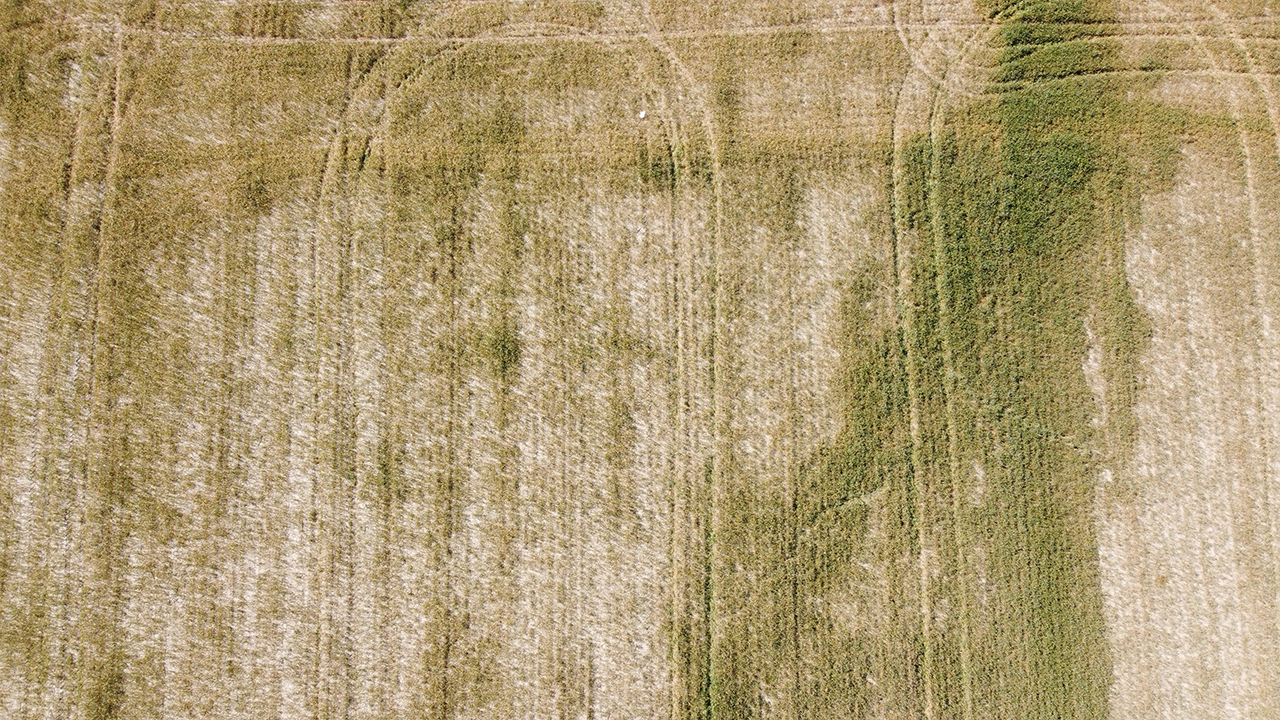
(560, 359)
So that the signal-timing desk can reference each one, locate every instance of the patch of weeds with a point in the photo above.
(656, 165)
(585, 14)
(502, 349)
(379, 19)
(267, 18)
(1017, 211)
(1015, 207)
(250, 192)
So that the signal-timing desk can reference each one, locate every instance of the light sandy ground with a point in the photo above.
(1189, 559)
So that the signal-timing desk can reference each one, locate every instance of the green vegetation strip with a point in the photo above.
(1018, 207)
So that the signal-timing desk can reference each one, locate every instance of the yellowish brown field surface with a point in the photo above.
(639, 359)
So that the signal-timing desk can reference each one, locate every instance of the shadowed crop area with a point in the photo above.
(638, 359)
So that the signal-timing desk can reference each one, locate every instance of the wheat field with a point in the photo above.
(586, 360)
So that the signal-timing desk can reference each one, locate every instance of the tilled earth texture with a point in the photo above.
(564, 359)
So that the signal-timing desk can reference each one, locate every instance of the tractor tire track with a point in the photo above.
(941, 86)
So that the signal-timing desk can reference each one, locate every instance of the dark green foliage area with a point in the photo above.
(1014, 210)
(1021, 201)
(259, 18)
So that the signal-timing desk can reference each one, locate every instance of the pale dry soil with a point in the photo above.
(574, 360)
